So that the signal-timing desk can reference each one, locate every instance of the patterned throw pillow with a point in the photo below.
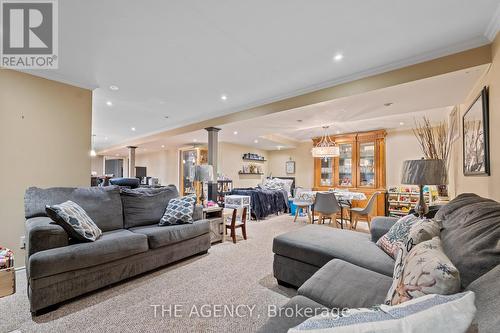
(397, 235)
(421, 231)
(179, 211)
(74, 220)
(427, 314)
(425, 270)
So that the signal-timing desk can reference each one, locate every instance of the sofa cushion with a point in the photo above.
(471, 235)
(112, 245)
(102, 204)
(318, 244)
(340, 284)
(159, 236)
(145, 206)
(294, 312)
(487, 290)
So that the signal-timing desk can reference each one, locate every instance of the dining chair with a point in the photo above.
(303, 204)
(327, 206)
(236, 223)
(363, 213)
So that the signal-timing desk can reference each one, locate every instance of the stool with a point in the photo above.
(303, 206)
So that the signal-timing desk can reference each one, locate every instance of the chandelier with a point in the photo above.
(325, 147)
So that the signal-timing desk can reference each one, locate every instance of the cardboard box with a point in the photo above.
(7, 281)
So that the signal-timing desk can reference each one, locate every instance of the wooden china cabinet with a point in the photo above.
(359, 168)
(188, 159)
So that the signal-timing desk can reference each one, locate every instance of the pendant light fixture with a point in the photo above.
(325, 147)
(92, 151)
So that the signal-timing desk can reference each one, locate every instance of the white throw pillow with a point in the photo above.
(424, 270)
(427, 314)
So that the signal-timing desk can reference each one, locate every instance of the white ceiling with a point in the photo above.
(432, 97)
(176, 58)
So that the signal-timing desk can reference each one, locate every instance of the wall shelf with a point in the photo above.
(250, 173)
(253, 160)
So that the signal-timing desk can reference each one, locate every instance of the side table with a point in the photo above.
(7, 273)
(215, 217)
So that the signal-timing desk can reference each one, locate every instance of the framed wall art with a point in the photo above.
(475, 127)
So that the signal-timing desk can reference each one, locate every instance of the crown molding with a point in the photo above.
(494, 25)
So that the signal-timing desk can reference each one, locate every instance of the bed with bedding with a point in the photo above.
(270, 197)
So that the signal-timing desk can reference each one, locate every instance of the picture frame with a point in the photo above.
(290, 167)
(475, 135)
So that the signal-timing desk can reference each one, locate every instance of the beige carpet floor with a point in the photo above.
(229, 275)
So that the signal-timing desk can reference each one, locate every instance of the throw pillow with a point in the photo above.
(421, 231)
(427, 314)
(74, 220)
(397, 235)
(425, 270)
(179, 211)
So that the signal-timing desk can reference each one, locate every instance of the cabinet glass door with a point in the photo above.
(367, 164)
(326, 178)
(345, 164)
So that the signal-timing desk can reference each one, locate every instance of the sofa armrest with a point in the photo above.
(198, 212)
(380, 225)
(42, 234)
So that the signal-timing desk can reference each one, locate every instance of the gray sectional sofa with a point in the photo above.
(335, 268)
(132, 242)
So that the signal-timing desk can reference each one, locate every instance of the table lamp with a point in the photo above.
(423, 172)
(203, 173)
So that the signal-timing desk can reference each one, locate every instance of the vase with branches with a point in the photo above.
(435, 143)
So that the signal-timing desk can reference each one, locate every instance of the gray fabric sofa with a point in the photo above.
(337, 269)
(132, 242)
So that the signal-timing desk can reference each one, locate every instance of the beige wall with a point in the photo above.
(45, 134)
(482, 185)
(230, 162)
(162, 164)
(399, 146)
(304, 164)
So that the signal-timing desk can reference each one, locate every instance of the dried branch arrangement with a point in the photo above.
(436, 141)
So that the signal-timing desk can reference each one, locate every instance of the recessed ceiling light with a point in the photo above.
(93, 153)
(279, 147)
(106, 138)
(163, 146)
(256, 141)
(235, 132)
(194, 140)
(338, 57)
(338, 132)
(388, 104)
(223, 97)
(117, 155)
(401, 123)
(132, 129)
(113, 87)
(109, 103)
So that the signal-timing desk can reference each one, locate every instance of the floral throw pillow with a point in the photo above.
(74, 220)
(397, 235)
(425, 270)
(421, 231)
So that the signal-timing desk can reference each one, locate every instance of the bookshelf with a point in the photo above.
(401, 199)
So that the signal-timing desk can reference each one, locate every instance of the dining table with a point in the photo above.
(344, 198)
